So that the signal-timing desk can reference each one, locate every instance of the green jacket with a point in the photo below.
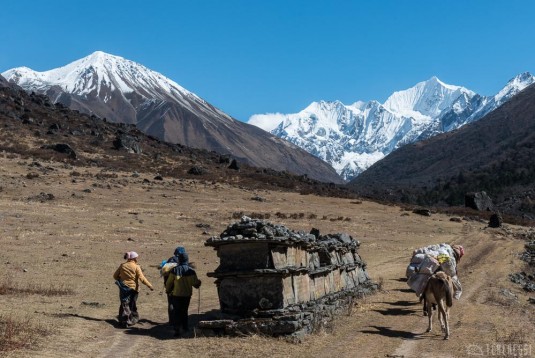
(181, 286)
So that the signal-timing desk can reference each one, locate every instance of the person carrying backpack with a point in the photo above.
(179, 287)
(165, 270)
(127, 277)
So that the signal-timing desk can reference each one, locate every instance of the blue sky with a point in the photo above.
(248, 56)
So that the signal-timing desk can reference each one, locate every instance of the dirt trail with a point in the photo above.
(394, 326)
(123, 346)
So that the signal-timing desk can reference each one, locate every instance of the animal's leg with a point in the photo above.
(446, 318)
(430, 316)
(443, 318)
(425, 305)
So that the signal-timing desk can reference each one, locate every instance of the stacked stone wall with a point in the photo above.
(276, 281)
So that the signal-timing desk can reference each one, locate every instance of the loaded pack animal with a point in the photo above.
(439, 291)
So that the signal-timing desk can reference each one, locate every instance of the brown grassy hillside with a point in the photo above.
(63, 235)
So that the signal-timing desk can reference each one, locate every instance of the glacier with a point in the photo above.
(353, 137)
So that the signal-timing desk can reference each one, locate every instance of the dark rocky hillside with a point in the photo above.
(34, 127)
(123, 91)
(495, 154)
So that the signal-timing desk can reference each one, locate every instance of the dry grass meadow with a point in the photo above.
(57, 257)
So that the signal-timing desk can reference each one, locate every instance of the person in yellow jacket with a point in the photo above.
(127, 277)
(179, 287)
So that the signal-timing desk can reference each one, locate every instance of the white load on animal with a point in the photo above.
(426, 261)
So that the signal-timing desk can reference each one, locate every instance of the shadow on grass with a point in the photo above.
(146, 327)
(401, 279)
(403, 303)
(388, 332)
(406, 290)
(396, 311)
(400, 308)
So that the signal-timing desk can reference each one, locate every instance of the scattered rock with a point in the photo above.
(422, 211)
(196, 170)
(234, 165)
(53, 128)
(32, 175)
(202, 225)
(62, 148)
(456, 219)
(315, 232)
(128, 142)
(258, 198)
(87, 190)
(508, 293)
(496, 220)
(478, 201)
(158, 177)
(225, 159)
(42, 197)
(527, 281)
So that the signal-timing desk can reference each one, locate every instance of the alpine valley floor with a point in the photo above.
(75, 240)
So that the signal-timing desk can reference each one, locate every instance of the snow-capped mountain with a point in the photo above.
(127, 92)
(353, 137)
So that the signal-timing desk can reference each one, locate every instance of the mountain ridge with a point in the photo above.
(124, 91)
(493, 154)
(353, 137)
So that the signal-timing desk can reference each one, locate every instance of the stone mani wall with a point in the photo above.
(276, 281)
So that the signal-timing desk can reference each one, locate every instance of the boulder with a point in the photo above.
(196, 170)
(478, 201)
(62, 148)
(496, 220)
(234, 165)
(128, 142)
(422, 211)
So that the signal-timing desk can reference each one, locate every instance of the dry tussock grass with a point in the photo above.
(7, 287)
(20, 333)
(499, 298)
(513, 336)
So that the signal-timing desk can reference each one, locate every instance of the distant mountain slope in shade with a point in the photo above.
(126, 92)
(495, 154)
(353, 137)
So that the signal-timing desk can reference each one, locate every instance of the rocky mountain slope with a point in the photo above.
(123, 91)
(36, 128)
(353, 137)
(494, 154)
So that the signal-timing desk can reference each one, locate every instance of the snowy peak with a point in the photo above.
(101, 73)
(353, 137)
(514, 86)
(124, 91)
(428, 98)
